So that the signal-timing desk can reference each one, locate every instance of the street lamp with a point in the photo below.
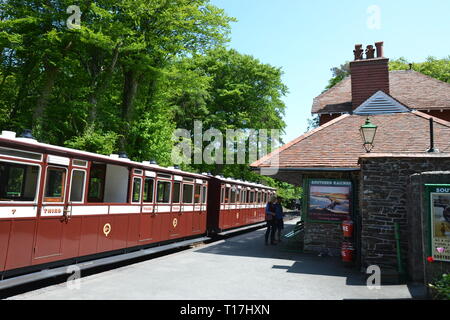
(368, 131)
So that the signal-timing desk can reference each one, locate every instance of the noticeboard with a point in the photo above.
(439, 217)
(329, 200)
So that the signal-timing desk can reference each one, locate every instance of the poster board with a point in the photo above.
(439, 221)
(329, 200)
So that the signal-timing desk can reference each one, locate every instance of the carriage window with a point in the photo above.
(148, 190)
(176, 192)
(204, 194)
(197, 193)
(233, 195)
(188, 193)
(227, 194)
(77, 188)
(163, 192)
(18, 182)
(97, 183)
(222, 193)
(252, 196)
(137, 182)
(259, 197)
(54, 185)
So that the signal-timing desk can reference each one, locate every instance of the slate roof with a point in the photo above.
(411, 88)
(337, 143)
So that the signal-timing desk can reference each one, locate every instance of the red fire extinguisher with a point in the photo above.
(347, 251)
(347, 227)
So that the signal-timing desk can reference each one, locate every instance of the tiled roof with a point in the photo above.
(413, 89)
(337, 144)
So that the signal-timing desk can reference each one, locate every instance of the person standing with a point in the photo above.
(279, 215)
(270, 220)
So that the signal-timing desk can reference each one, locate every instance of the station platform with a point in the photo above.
(241, 267)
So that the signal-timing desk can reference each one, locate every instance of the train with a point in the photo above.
(60, 205)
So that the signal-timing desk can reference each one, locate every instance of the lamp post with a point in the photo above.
(368, 132)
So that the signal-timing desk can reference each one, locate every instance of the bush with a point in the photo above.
(441, 288)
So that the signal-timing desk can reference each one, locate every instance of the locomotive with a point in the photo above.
(59, 205)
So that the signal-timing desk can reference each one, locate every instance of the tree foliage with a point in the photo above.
(133, 72)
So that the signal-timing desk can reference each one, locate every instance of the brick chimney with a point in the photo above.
(368, 75)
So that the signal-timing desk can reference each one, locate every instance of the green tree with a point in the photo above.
(228, 90)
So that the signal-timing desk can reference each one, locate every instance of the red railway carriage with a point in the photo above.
(235, 203)
(58, 204)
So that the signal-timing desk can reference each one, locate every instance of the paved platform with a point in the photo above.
(237, 268)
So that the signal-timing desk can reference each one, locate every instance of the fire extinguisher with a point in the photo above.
(347, 251)
(347, 228)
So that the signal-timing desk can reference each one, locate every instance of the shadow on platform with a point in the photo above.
(252, 244)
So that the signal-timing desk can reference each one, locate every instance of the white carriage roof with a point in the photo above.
(31, 143)
(242, 182)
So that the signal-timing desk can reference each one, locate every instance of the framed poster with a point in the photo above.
(439, 196)
(329, 200)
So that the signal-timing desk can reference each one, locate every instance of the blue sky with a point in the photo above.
(307, 38)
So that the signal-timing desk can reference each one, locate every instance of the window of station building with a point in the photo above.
(149, 185)
(137, 185)
(77, 188)
(18, 182)
(188, 193)
(176, 192)
(97, 182)
(163, 192)
(197, 193)
(204, 194)
(55, 184)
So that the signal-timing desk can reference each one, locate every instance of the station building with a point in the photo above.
(381, 186)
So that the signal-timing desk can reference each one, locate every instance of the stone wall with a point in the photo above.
(383, 197)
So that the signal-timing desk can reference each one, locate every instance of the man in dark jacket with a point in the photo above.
(279, 215)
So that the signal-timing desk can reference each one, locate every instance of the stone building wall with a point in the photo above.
(383, 196)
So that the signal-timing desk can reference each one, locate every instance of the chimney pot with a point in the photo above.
(358, 52)
(380, 52)
(370, 52)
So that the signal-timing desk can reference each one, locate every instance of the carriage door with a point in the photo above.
(55, 209)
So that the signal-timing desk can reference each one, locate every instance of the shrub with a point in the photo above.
(441, 288)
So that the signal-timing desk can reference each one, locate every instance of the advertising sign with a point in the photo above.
(440, 222)
(329, 200)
